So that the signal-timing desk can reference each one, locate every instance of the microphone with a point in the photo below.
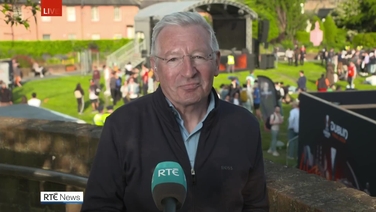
(168, 186)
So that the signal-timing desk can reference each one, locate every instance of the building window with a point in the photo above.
(17, 11)
(71, 14)
(130, 31)
(95, 37)
(46, 18)
(118, 36)
(46, 37)
(94, 14)
(72, 36)
(117, 14)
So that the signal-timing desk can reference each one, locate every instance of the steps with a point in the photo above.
(131, 52)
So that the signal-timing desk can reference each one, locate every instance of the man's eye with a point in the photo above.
(174, 59)
(198, 57)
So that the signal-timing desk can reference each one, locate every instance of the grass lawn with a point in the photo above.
(57, 93)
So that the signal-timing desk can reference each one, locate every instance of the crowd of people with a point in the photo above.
(119, 85)
(248, 96)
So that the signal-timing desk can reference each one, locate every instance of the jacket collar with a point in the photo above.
(167, 113)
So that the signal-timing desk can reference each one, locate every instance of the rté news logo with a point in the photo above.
(61, 197)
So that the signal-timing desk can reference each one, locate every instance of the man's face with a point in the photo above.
(187, 83)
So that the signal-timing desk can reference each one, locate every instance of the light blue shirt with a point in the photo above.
(191, 140)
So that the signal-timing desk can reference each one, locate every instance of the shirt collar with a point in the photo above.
(210, 107)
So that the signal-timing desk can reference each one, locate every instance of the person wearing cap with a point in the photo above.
(98, 118)
(109, 109)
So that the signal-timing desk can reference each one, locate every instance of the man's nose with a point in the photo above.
(188, 67)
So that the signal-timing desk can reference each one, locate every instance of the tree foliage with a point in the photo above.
(287, 14)
(356, 15)
(263, 14)
(10, 8)
(330, 30)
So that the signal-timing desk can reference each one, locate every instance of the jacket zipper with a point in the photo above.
(193, 175)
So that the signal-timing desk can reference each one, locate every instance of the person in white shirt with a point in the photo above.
(293, 130)
(275, 120)
(34, 101)
(289, 54)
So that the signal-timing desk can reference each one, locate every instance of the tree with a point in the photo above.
(288, 14)
(330, 30)
(356, 15)
(11, 8)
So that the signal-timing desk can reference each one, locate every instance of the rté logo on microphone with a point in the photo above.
(168, 172)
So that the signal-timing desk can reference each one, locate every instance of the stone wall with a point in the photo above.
(70, 148)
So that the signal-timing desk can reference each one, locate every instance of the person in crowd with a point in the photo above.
(351, 74)
(98, 118)
(322, 83)
(96, 76)
(23, 99)
(257, 100)
(280, 93)
(109, 110)
(302, 54)
(133, 89)
(275, 121)
(190, 125)
(230, 63)
(234, 89)
(17, 74)
(79, 95)
(289, 54)
(302, 81)
(124, 92)
(94, 95)
(293, 130)
(5, 95)
(296, 54)
(113, 87)
(34, 101)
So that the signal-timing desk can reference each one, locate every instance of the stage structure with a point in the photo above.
(337, 139)
(231, 21)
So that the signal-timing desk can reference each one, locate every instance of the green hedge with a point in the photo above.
(367, 40)
(36, 49)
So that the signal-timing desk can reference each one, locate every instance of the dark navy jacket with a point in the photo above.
(229, 169)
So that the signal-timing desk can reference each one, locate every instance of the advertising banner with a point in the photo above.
(348, 97)
(268, 96)
(337, 144)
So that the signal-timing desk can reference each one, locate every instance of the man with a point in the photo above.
(302, 54)
(109, 109)
(96, 76)
(302, 81)
(5, 95)
(230, 63)
(34, 101)
(289, 55)
(293, 130)
(280, 93)
(183, 121)
(296, 54)
(351, 74)
(98, 118)
(322, 83)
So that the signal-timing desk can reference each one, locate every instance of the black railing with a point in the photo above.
(42, 175)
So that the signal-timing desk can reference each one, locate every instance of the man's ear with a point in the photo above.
(153, 65)
(217, 63)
